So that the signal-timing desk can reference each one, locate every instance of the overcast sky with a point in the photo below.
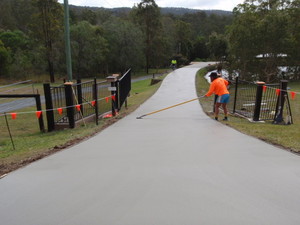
(192, 4)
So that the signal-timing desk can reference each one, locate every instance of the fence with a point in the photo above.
(244, 98)
(70, 103)
(259, 101)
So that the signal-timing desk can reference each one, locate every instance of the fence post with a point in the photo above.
(129, 88)
(259, 91)
(49, 107)
(118, 95)
(235, 93)
(39, 108)
(95, 96)
(70, 104)
(113, 79)
(79, 95)
(280, 102)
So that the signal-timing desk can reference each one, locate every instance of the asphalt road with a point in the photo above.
(176, 167)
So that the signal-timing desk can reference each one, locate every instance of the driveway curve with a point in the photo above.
(176, 167)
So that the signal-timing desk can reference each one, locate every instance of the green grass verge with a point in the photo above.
(31, 144)
(286, 136)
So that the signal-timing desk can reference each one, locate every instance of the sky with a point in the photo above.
(227, 5)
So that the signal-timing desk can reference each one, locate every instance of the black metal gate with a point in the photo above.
(73, 102)
(258, 100)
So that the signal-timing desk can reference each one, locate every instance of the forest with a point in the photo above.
(105, 41)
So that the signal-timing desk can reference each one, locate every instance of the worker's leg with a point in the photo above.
(217, 106)
(224, 106)
(224, 100)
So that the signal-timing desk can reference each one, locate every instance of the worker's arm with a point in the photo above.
(211, 90)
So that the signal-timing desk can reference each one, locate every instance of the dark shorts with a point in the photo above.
(223, 98)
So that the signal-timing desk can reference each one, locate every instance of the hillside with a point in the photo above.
(167, 10)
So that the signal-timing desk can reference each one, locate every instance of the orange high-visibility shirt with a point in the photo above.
(218, 87)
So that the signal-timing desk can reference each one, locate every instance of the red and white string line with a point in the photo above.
(60, 109)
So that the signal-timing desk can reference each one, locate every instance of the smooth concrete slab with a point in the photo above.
(176, 167)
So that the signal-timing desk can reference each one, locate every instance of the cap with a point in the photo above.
(213, 74)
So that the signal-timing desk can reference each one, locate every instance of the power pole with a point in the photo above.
(67, 41)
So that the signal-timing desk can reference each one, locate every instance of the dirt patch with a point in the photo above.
(155, 81)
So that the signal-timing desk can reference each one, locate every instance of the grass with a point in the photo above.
(286, 136)
(31, 144)
(150, 72)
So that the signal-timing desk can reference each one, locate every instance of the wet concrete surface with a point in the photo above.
(175, 167)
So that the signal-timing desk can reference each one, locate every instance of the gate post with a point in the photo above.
(79, 95)
(49, 107)
(235, 93)
(259, 91)
(280, 102)
(113, 80)
(70, 104)
(95, 96)
(39, 108)
(117, 84)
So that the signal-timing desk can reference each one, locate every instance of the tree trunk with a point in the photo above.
(50, 60)
(51, 70)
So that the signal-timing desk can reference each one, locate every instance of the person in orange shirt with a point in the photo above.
(219, 87)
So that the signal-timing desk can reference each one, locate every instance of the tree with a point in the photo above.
(183, 38)
(89, 15)
(47, 26)
(7, 20)
(199, 49)
(126, 45)
(18, 45)
(89, 49)
(147, 15)
(197, 21)
(217, 46)
(169, 39)
(243, 40)
(273, 42)
(293, 37)
(15, 14)
(147, 39)
(4, 54)
(259, 28)
(14, 39)
(160, 55)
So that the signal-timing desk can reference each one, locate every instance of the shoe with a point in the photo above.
(216, 118)
(225, 119)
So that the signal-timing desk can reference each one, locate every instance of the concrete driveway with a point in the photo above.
(176, 167)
